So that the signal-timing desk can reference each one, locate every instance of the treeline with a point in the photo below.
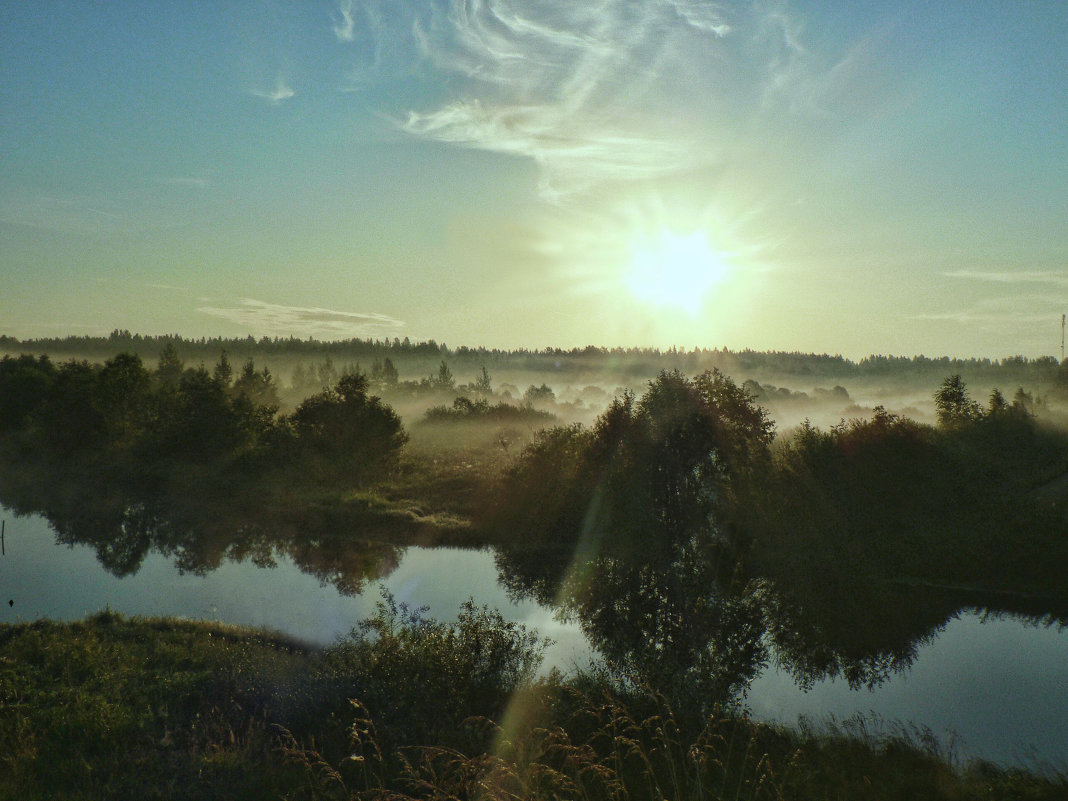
(150, 428)
(626, 362)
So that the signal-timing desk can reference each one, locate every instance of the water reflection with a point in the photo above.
(689, 618)
(686, 628)
(200, 534)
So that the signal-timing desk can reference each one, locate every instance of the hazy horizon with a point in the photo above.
(783, 176)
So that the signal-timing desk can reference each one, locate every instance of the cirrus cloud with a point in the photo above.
(281, 92)
(273, 319)
(591, 93)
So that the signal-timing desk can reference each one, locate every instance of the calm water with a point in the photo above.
(997, 686)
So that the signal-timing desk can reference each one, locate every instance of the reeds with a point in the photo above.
(605, 749)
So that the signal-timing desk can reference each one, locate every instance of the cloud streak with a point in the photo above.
(566, 85)
(345, 30)
(1029, 310)
(1025, 277)
(590, 92)
(272, 319)
(281, 92)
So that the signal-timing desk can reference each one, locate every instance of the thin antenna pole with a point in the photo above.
(1062, 335)
(3, 531)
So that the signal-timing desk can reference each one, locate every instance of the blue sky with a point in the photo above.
(842, 177)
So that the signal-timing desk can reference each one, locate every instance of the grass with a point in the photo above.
(142, 708)
(113, 707)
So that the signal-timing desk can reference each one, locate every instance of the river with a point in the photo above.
(993, 687)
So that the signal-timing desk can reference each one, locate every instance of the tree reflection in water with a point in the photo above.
(691, 554)
(201, 534)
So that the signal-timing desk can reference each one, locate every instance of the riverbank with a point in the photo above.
(407, 707)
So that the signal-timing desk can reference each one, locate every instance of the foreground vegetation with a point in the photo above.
(410, 707)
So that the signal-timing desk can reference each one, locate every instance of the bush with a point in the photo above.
(421, 678)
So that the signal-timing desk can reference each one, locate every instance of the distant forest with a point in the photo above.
(625, 362)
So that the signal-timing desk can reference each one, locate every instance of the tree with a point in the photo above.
(24, 383)
(345, 433)
(632, 527)
(170, 367)
(953, 406)
(1023, 403)
(223, 373)
(257, 386)
(997, 406)
(70, 419)
(204, 423)
(390, 376)
(542, 396)
(123, 389)
(326, 373)
(651, 473)
(444, 380)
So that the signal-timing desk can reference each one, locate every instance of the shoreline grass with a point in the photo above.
(116, 707)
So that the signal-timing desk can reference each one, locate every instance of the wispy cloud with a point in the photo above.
(591, 92)
(271, 319)
(572, 158)
(1026, 310)
(575, 87)
(345, 29)
(700, 14)
(281, 92)
(1024, 277)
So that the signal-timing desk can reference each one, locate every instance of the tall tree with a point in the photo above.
(170, 367)
(953, 406)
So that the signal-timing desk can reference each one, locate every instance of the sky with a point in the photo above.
(835, 177)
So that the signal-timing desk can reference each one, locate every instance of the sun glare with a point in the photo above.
(675, 270)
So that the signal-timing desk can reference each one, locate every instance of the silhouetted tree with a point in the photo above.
(444, 380)
(257, 386)
(170, 367)
(952, 404)
(1023, 403)
(71, 418)
(390, 376)
(997, 406)
(223, 373)
(347, 433)
(631, 526)
(24, 384)
(205, 424)
(542, 395)
(123, 392)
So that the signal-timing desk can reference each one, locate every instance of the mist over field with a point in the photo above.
(581, 382)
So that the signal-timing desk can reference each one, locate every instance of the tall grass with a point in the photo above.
(586, 747)
(406, 709)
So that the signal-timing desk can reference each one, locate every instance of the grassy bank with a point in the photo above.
(406, 707)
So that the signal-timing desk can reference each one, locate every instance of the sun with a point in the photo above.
(675, 270)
